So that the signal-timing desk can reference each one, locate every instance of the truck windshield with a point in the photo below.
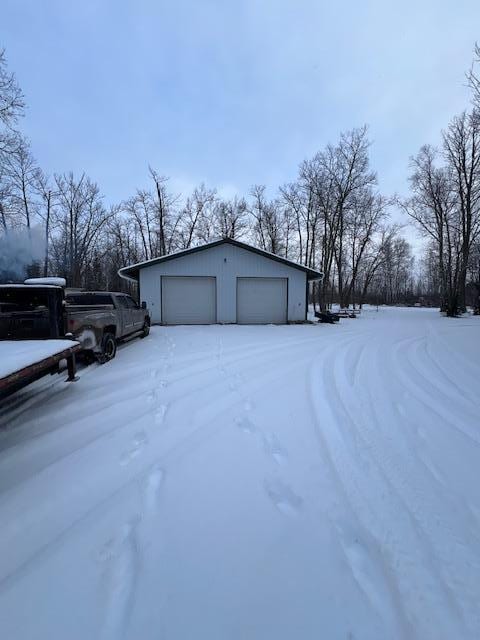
(88, 298)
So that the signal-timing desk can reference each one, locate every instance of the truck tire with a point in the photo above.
(145, 330)
(109, 348)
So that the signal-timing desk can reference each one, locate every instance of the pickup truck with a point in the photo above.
(96, 319)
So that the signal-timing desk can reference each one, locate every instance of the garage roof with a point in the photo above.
(132, 271)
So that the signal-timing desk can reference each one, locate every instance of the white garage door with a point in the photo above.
(262, 300)
(188, 300)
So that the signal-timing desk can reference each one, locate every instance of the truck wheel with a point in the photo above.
(109, 348)
(145, 330)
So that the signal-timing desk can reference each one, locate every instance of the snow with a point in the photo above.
(275, 482)
(17, 354)
(52, 281)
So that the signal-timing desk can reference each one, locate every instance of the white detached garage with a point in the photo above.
(225, 281)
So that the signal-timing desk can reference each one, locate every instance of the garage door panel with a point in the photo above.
(188, 300)
(262, 300)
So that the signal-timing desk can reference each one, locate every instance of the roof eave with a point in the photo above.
(131, 272)
(123, 273)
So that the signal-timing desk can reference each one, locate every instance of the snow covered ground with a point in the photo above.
(250, 483)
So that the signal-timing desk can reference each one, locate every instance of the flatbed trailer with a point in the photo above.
(41, 365)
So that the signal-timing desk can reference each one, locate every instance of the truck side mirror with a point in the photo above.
(144, 304)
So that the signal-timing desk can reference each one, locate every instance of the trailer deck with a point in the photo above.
(23, 361)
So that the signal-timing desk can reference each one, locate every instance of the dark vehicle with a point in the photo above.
(96, 319)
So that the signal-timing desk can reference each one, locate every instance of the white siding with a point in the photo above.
(226, 263)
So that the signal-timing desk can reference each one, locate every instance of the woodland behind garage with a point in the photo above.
(225, 281)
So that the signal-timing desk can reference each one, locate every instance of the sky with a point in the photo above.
(234, 93)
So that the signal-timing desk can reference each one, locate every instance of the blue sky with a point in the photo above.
(233, 93)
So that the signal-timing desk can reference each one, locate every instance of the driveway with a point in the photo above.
(250, 482)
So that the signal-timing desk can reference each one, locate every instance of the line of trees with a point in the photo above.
(331, 217)
(445, 206)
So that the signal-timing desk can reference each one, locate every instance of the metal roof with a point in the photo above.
(132, 271)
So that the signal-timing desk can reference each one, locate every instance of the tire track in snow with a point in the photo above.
(404, 473)
(402, 476)
(374, 512)
(449, 547)
(450, 382)
(343, 467)
(421, 389)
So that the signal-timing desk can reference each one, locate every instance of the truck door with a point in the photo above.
(138, 314)
(126, 313)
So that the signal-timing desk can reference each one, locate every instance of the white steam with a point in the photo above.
(20, 248)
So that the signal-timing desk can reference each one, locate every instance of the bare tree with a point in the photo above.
(375, 260)
(231, 218)
(198, 208)
(268, 221)
(367, 214)
(347, 165)
(11, 106)
(461, 143)
(433, 207)
(292, 197)
(167, 218)
(80, 216)
(5, 194)
(473, 77)
(20, 169)
(47, 194)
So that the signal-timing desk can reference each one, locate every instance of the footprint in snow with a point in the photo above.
(246, 425)
(153, 483)
(160, 414)
(365, 569)
(152, 395)
(139, 441)
(248, 406)
(274, 449)
(121, 573)
(283, 497)
(401, 409)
